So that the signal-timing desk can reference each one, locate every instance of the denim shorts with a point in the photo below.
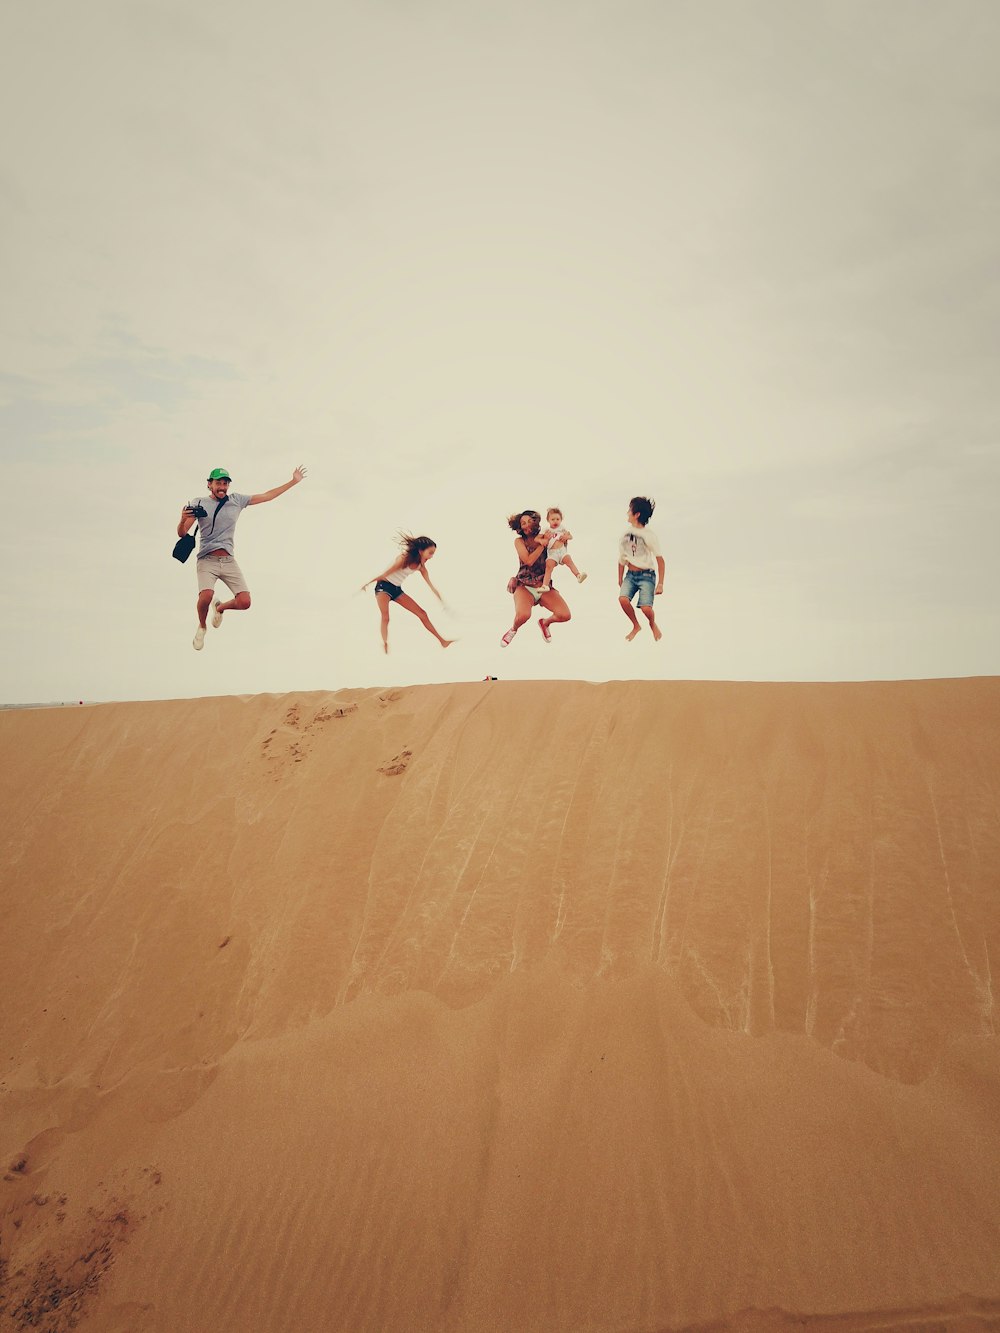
(641, 581)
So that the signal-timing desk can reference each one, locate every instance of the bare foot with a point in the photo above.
(385, 647)
(657, 632)
(631, 634)
(446, 643)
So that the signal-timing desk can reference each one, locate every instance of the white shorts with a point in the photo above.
(557, 554)
(223, 567)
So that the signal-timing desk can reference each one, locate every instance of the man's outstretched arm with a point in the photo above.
(264, 496)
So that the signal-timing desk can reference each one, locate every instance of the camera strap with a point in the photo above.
(216, 514)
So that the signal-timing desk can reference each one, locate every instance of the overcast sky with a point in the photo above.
(466, 258)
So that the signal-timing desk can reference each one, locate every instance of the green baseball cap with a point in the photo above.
(219, 474)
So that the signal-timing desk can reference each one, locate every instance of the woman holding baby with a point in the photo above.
(531, 545)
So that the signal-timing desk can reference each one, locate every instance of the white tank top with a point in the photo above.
(398, 575)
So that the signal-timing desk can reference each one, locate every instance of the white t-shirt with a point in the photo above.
(557, 547)
(639, 547)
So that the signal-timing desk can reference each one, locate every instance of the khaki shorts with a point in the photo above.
(222, 567)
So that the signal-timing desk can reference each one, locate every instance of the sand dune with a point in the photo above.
(528, 1006)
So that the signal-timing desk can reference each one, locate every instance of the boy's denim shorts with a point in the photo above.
(641, 581)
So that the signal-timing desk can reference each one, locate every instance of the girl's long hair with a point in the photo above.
(515, 521)
(412, 546)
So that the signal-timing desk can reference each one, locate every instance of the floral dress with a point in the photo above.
(530, 576)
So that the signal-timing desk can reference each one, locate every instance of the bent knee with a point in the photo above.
(242, 600)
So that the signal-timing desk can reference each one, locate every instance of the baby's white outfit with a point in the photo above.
(557, 549)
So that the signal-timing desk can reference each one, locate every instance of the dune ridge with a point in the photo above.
(503, 1005)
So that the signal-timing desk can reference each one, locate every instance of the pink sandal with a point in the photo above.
(508, 637)
(543, 625)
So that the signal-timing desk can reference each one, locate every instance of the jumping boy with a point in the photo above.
(638, 556)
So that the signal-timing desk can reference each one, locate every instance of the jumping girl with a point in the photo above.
(388, 585)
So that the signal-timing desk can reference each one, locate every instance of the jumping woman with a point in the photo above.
(416, 551)
(531, 545)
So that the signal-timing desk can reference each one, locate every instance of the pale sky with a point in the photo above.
(462, 259)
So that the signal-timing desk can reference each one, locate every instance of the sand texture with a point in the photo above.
(503, 1006)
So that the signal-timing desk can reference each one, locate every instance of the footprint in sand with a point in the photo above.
(58, 1290)
(34, 1156)
(328, 714)
(399, 763)
(288, 744)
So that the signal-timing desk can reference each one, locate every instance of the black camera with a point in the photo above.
(198, 511)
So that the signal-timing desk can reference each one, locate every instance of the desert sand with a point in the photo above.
(503, 1006)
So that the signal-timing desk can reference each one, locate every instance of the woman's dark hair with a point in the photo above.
(642, 508)
(412, 546)
(515, 521)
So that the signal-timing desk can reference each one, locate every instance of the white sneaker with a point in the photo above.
(198, 642)
(580, 577)
(216, 616)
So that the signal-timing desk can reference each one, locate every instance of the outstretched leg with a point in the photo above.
(425, 620)
(383, 599)
(626, 606)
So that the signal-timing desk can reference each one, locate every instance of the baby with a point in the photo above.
(557, 553)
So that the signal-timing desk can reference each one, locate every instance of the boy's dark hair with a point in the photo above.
(412, 546)
(642, 508)
(515, 521)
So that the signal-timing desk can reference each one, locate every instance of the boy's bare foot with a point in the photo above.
(657, 632)
(632, 633)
